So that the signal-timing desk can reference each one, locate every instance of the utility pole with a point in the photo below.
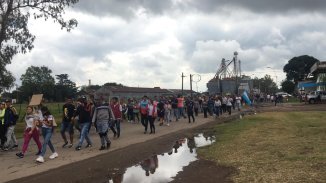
(191, 85)
(182, 76)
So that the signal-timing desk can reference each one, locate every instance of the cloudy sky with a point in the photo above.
(149, 43)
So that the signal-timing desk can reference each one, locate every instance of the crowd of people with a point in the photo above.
(104, 116)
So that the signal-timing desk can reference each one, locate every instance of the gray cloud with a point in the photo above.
(123, 8)
(129, 8)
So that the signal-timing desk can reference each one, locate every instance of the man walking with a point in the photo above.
(67, 122)
(10, 119)
(101, 118)
(117, 112)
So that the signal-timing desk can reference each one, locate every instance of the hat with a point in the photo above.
(7, 100)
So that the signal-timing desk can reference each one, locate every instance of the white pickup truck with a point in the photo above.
(313, 96)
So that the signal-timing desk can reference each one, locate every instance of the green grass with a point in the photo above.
(55, 109)
(273, 147)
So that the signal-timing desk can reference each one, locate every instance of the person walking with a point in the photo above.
(224, 101)
(10, 120)
(190, 109)
(47, 124)
(117, 112)
(196, 106)
(2, 125)
(181, 106)
(68, 110)
(238, 102)
(152, 114)
(103, 114)
(31, 131)
(205, 107)
(217, 107)
(144, 112)
(229, 104)
(160, 111)
(136, 111)
(83, 112)
(167, 112)
(130, 111)
(175, 110)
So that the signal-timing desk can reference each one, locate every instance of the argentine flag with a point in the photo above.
(246, 98)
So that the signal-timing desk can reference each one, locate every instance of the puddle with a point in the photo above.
(161, 168)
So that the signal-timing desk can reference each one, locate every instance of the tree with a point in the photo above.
(64, 87)
(6, 79)
(37, 80)
(113, 84)
(288, 86)
(14, 34)
(299, 67)
(265, 84)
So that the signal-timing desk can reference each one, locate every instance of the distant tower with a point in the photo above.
(237, 67)
(89, 82)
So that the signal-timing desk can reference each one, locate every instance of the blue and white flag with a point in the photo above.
(246, 98)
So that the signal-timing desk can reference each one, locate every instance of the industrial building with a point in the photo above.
(228, 78)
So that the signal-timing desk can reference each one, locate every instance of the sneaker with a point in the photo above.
(78, 148)
(102, 148)
(5, 149)
(70, 145)
(20, 155)
(88, 145)
(16, 145)
(54, 155)
(38, 153)
(40, 159)
(65, 144)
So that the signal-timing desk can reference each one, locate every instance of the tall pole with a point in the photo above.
(191, 85)
(182, 76)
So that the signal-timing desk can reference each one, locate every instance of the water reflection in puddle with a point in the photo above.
(161, 168)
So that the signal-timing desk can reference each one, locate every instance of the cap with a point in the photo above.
(7, 100)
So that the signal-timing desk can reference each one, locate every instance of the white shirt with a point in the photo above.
(49, 118)
(29, 119)
(151, 110)
(217, 103)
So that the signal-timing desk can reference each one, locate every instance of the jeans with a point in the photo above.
(47, 134)
(229, 108)
(116, 125)
(84, 134)
(144, 121)
(151, 123)
(205, 109)
(176, 113)
(10, 136)
(217, 110)
(181, 112)
(67, 126)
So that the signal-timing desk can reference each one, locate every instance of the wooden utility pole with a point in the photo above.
(191, 85)
(182, 76)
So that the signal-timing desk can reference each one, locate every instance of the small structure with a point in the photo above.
(318, 70)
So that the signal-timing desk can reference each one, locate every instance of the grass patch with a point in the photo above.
(273, 147)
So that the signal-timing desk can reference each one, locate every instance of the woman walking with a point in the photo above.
(152, 113)
(31, 131)
(47, 131)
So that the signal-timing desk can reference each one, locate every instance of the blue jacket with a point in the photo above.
(10, 117)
